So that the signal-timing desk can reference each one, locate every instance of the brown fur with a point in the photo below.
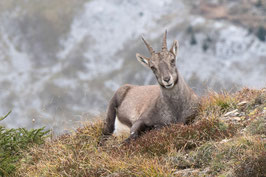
(145, 107)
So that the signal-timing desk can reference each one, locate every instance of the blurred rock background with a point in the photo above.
(61, 61)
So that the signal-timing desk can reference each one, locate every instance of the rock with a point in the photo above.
(242, 103)
(114, 175)
(242, 113)
(187, 172)
(224, 141)
(236, 118)
(192, 172)
(232, 113)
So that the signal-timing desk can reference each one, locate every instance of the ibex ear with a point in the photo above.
(174, 48)
(143, 60)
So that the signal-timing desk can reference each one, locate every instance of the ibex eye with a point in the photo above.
(172, 62)
(153, 68)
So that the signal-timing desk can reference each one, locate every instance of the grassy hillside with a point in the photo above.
(227, 139)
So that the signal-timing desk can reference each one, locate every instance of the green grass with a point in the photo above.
(13, 142)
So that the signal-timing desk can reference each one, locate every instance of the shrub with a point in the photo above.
(12, 142)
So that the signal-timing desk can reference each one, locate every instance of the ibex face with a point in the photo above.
(162, 63)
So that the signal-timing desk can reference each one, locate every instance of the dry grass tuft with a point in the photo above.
(252, 165)
(214, 104)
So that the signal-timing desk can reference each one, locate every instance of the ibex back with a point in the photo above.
(144, 107)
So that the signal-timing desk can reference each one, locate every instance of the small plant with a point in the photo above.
(2, 118)
(216, 104)
(224, 105)
(13, 142)
(258, 126)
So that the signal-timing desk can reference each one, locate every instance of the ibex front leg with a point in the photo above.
(137, 128)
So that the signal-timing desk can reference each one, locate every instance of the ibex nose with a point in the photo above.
(166, 79)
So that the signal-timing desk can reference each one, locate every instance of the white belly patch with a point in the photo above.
(120, 129)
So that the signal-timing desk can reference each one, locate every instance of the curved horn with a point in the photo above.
(148, 45)
(164, 41)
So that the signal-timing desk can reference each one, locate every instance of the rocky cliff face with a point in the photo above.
(62, 61)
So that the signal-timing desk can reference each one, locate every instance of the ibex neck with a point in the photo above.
(177, 93)
(179, 100)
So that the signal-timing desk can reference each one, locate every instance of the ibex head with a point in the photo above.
(162, 63)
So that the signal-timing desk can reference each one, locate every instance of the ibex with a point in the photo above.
(142, 108)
